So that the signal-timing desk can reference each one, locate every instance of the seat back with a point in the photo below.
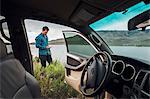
(15, 82)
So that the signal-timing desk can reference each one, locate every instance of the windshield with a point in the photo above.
(113, 29)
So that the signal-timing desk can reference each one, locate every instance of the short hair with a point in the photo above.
(45, 28)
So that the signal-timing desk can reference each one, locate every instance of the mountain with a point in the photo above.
(116, 38)
(54, 42)
(57, 41)
(126, 38)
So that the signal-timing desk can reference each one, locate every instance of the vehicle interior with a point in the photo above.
(90, 75)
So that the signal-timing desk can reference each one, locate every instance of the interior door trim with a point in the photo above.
(74, 57)
(83, 62)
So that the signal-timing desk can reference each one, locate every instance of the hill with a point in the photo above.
(54, 42)
(126, 38)
(115, 38)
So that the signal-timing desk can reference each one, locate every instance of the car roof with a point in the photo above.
(77, 12)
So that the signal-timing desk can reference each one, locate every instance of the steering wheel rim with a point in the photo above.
(83, 87)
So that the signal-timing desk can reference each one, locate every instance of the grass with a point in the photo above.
(51, 80)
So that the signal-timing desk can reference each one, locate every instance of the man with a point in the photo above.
(44, 48)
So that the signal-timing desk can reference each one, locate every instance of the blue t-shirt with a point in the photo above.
(41, 43)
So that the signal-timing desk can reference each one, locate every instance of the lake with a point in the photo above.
(59, 52)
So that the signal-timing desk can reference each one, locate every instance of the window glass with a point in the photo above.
(78, 45)
(114, 30)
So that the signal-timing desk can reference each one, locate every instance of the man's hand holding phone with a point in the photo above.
(49, 46)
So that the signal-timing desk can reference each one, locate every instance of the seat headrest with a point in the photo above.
(3, 49)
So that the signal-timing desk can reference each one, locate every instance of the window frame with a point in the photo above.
(79, 34)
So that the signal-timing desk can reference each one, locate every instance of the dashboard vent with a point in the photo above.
(146, 86)
(140, 77)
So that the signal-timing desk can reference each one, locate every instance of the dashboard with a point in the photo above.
(130, 78)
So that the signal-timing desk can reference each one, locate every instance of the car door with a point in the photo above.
(79, 50)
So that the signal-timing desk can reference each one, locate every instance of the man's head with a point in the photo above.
(45, 30)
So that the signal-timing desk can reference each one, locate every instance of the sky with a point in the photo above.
(34, 28)
(117, 20)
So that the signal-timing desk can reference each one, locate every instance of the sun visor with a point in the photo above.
(84, 14)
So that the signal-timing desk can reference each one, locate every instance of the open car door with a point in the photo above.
(79, 49)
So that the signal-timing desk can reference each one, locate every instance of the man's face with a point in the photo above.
(45, 32)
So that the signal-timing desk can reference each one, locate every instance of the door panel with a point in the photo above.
(73, 70)
(73, 79)
(79, 50)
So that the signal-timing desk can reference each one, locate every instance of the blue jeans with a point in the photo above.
(45, 58)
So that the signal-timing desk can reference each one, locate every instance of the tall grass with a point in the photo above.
(51, 80)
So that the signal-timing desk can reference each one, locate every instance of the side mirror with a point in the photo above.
(140, 21)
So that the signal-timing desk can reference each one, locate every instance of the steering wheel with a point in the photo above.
(95, 74)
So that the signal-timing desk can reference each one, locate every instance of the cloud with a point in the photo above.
(34, 28)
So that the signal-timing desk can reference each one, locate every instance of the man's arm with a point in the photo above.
(38, 43)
